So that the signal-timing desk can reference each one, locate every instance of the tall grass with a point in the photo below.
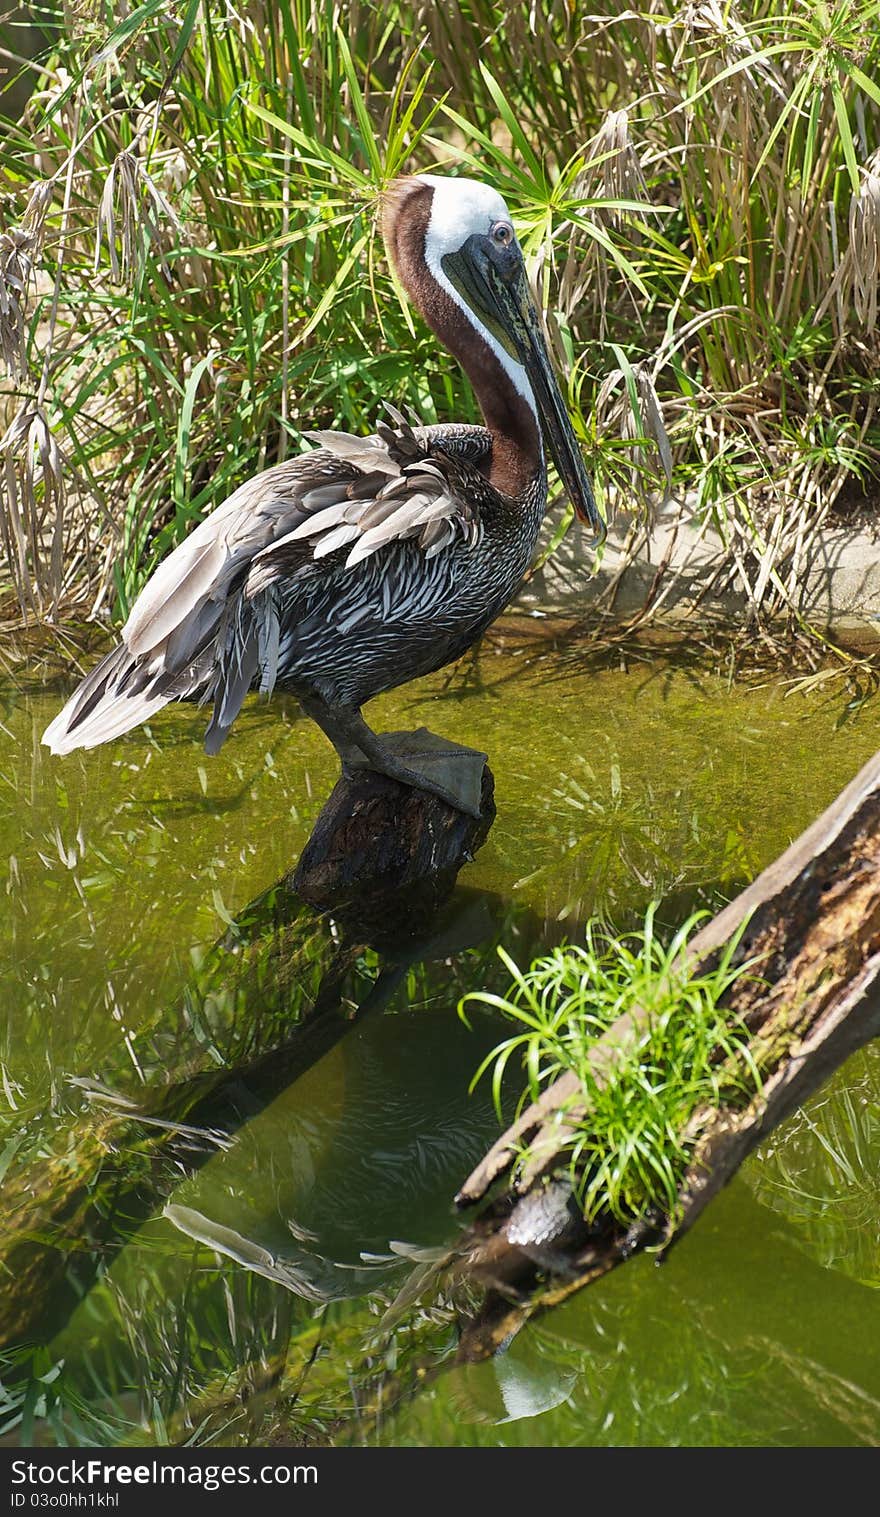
(190, 275)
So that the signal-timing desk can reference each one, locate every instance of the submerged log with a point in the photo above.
(382, 860)
(813, 926)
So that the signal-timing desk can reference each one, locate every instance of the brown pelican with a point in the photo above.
(368, 561)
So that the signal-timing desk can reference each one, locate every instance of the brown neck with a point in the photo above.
(516, 442)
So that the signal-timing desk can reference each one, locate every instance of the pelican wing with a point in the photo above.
(407, 486)
(169, 640)
(192, 631)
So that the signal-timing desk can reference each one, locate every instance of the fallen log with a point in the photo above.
(812, 924)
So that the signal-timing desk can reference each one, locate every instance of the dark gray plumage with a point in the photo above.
(336, 575)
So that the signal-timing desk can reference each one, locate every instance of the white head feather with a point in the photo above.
(459, 208)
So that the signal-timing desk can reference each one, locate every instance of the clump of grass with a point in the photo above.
(629, 1135)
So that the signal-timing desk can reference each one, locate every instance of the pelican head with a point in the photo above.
(471, 253)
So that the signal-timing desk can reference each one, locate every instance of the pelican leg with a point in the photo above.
(420, 759)
(331, 721)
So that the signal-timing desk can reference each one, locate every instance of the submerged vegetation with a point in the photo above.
(674, 1051)
(189, 274)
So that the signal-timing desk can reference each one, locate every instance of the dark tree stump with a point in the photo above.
(383, 856)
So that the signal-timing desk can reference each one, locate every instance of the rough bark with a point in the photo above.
(383, 857)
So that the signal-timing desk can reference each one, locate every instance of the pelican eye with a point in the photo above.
(502, 234)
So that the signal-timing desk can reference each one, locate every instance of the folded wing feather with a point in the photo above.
(189, 633)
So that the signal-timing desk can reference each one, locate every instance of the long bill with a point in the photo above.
(524, 325)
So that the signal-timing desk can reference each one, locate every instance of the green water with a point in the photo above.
(222, 1268)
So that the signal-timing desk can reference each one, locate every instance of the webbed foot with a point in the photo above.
(428, 762)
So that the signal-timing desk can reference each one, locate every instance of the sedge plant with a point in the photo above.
(671, 1050)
